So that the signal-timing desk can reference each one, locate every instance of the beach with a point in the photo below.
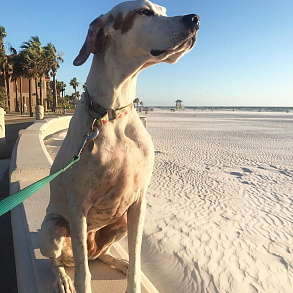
(219, 205)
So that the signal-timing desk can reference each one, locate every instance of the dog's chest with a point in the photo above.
(121, 173)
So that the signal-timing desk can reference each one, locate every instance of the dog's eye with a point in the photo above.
(146, 12)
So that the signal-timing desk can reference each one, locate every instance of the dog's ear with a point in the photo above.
(95, 41)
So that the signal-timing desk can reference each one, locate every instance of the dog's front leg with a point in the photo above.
(135, 220)
(78, 233)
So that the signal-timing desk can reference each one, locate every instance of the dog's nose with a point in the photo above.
(192, 18)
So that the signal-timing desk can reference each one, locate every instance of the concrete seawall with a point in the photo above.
(29, 163)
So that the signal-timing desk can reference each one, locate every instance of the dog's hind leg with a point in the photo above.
(106, 237)
(54, 243)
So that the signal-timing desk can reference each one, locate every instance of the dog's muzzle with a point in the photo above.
(191, 25)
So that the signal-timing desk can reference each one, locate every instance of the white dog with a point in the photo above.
(102, 197)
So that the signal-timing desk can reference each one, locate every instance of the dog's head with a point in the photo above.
(141, 30)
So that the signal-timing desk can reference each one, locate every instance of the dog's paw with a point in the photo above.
(119, 263)
(64, 285)
(122, 265)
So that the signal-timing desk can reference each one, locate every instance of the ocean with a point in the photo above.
(236, 108)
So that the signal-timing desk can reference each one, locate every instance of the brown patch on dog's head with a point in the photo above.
(118, 20)
(96, 40)
(126, 23)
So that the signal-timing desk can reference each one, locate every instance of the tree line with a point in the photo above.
(68, 101)
(34, 62)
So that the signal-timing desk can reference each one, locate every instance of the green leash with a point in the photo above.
(15, 199)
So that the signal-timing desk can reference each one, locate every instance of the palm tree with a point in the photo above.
(49, 95)
(3, 62)
(36, 59)
(32, 64)
(84, 86)
(53, 59)
(17, 73)
(136, 101)
(63, 86)
(30, 60)
(26, 64)
(3, 34)
(60, 86)
(74, 83)
(3, 95)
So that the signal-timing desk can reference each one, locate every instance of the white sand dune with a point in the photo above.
(219, 206)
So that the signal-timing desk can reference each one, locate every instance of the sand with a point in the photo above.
(219, 206)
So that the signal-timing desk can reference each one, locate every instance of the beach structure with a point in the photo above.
(179, 105)
(18, 93)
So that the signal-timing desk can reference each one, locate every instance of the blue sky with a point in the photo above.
(243, 55)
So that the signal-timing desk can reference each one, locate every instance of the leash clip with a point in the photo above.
(87, 137)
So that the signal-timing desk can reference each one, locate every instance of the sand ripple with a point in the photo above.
(219, 211)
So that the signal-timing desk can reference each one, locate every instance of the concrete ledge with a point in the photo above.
(30, 162)
(30, 158)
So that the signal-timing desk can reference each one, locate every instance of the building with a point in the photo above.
(179, 105)
(23, 90)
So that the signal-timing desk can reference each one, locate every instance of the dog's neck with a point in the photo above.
(109, 85)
